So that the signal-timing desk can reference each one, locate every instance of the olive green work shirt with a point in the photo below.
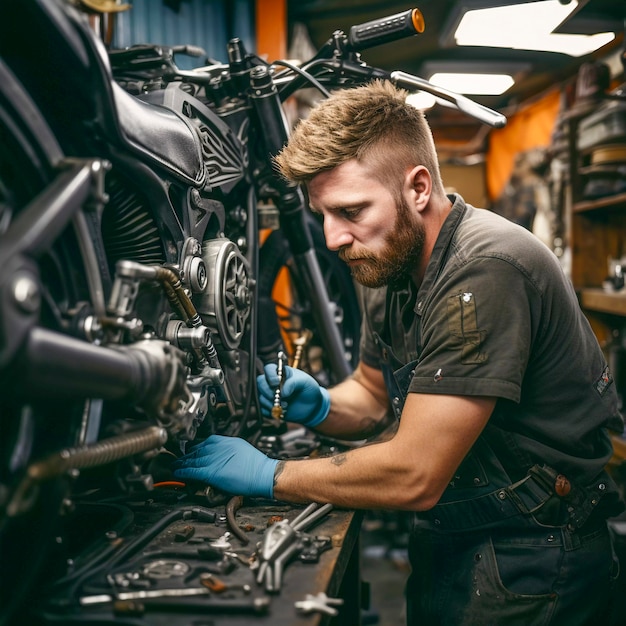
(496, 316)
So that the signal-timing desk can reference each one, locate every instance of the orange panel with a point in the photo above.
(271, 29)
(530, 127)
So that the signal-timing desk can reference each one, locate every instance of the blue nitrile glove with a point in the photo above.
(304, 401)
(230, 464)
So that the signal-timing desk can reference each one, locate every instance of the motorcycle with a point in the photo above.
(138, 301)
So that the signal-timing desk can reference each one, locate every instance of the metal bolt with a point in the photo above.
(26, 293)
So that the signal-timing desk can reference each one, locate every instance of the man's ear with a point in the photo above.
(418, 186)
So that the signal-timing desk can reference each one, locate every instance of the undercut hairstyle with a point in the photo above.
(373, 124)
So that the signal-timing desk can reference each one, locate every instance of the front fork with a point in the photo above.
(292, 208)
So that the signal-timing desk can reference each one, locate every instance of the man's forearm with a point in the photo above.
(355, 413)
(358, 409)
(366, 477)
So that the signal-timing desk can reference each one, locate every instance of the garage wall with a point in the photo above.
(468, 180)
(205, 23)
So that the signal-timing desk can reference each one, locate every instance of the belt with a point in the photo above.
(525, 497)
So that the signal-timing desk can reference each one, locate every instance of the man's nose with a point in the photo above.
(336, 233)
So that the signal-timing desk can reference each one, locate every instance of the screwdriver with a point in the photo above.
(277, 409)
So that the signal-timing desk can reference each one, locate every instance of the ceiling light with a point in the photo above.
(474, 84)
(421, 100)
(526, 26)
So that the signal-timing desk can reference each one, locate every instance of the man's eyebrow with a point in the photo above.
(336, 208)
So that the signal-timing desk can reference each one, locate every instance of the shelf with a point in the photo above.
(603, 301)
(606, 202)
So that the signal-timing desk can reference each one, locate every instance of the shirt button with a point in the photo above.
(420, 304)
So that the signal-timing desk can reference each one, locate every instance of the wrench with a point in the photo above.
(319, 603)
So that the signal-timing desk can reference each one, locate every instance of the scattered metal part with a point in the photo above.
(274, 575)
(143, 594)
(255, 606)
(281, 542)
(232, 506)
(245, 560)
(217, 585)
(222, 542)
(312, 547)
(310, 515)
(185, 533)
(165, 568)
(126, 580)
(319, 603)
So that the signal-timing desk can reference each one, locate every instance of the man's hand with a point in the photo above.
(304, 401)
(230, 464)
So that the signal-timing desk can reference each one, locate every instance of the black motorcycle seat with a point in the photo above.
(160, 135)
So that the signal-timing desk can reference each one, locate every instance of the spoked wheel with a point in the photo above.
(279, 277)
(37, 287)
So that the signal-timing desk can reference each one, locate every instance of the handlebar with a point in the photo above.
(338, 63)
(386, 29)
(470, 107)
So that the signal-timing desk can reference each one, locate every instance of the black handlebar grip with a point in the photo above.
(385, 29)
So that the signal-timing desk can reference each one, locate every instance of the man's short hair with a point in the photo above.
(373, 124)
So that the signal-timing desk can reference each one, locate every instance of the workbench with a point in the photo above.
(168, 542)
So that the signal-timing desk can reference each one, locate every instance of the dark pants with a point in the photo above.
(528, 577)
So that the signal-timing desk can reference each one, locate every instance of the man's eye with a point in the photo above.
(350, 213)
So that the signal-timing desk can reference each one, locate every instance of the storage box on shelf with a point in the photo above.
(596, 221)
(597, 224)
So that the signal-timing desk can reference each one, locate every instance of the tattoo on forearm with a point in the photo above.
(339, 459)
(280, 466)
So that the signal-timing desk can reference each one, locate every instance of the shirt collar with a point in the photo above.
(439, 254)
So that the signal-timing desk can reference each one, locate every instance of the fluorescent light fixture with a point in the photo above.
(478, 78)
(473, 84)
(526, 26)
(421, 100)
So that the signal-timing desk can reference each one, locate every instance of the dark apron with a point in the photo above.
(482, 494)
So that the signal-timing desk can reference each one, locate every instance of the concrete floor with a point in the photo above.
(384, 566)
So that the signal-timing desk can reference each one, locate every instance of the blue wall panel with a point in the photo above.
(209, 24)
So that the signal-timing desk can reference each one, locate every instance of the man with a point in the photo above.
(473, 338)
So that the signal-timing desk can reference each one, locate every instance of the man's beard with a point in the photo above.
(399, 258)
